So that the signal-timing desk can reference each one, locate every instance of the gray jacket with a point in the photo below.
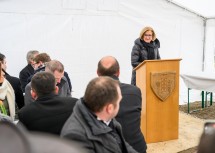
(95, 136)
(64, 91)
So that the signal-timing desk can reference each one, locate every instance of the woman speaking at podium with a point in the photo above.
(145, 48)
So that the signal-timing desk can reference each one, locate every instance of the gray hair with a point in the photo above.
(54, 65)
(30, 55)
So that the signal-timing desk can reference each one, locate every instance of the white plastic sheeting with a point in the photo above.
(80, 32)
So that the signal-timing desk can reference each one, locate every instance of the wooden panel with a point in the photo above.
(141, 83)
(159, 119)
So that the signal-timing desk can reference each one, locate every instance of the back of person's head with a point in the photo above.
(108, 66)
(100, 92)
(16, 139)
(207, 142)
(42, 57)
(54, 65)
(144, 30)
(43, 83)
(12, 139)
(30, 55)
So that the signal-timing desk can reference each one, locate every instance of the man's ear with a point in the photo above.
(56, 89)
(109, 108)
(98, 73)
(117, 74)
(33, 94)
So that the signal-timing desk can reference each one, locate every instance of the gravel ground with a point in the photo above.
(197, 111)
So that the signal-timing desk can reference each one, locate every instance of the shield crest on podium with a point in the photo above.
(163, 84)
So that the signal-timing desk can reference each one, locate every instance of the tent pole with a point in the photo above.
(204, 32)
(203, 56)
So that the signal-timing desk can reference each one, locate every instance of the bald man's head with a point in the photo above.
(108, 66)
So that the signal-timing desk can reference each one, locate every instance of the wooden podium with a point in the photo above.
(159, 84)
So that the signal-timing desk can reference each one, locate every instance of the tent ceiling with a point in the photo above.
(204, 8)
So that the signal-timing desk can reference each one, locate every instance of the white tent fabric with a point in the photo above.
(80, 32)
(201, 7)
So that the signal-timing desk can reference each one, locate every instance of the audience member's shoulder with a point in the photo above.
(66, 74)
(129, 87)
(72, 99)
(27, 108)
(69, 102)
(21, 72)
(12, 78)
(27, 68)
(24, 112)
(28, 85)
(24, 69)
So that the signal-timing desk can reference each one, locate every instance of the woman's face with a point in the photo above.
(147, 37)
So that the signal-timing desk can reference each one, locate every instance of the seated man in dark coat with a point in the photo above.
(130, 105)
(48, 112)
(27, 71)
(92, 123)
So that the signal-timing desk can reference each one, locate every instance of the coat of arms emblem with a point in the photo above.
(163, 84)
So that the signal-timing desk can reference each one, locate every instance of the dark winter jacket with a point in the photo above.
(83, 127)
(47, 114)
(129, 116)
(24, 74)
(140, 53)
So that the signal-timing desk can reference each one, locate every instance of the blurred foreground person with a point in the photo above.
(15, 139)
(207, 140)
